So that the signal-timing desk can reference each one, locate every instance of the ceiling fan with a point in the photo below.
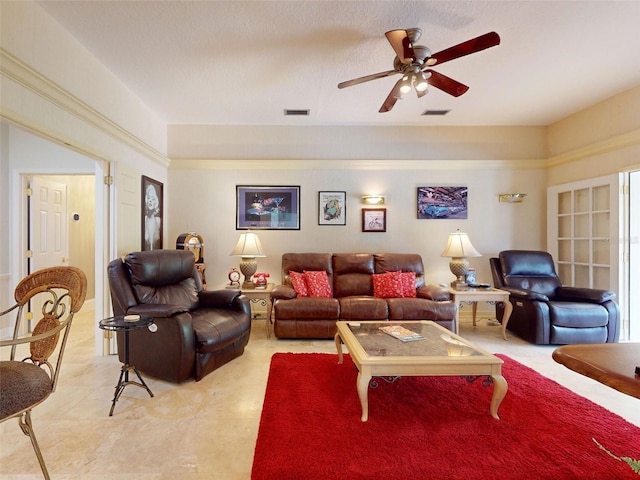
(413, 62)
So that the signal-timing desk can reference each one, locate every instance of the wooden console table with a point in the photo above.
(612, 364)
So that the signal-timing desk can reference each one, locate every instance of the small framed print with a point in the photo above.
(332, 208)
(374, 219)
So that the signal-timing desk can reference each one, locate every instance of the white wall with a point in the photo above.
(203, 201)
(597, 141)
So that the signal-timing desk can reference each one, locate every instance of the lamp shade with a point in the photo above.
(459, 246)
(248, 246)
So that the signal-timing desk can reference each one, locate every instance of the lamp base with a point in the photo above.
(459, 266)
(248, 267)
(457, 285)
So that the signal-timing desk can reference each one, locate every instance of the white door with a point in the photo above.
(585, 226)
(49, 233)
(48, 223)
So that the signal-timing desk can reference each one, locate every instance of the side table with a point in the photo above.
(475, 295)
(262, 296)
(126, 323)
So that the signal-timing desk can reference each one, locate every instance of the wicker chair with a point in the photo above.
(24, 384)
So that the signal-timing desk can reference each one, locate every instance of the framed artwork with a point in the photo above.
(374, 219)
(442, 202)
(267, 208)
(152, 214)
(332, 208)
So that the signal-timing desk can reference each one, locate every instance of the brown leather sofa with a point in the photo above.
(546, 312)
(351, 281)
(198, 330)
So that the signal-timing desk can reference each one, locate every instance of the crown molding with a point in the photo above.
(598, 148)
(13, 68)
(350, 164)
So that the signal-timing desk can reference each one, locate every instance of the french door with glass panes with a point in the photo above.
(584, 232)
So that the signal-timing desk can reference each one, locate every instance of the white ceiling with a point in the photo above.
(244, 62)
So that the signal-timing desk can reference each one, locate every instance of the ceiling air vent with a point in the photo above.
(435, 113)
(289, 112)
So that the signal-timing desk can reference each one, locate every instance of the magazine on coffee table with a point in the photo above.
(401, 333)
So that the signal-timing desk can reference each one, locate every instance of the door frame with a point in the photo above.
(102, 240)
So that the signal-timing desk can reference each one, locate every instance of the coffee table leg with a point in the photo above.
(363, 389)
(338, 341)
(499, 391)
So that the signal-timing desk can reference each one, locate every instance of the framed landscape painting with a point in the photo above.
(332, 208)
(267, 208)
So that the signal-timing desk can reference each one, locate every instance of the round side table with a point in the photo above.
(126, 323)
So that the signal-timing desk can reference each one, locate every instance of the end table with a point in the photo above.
(126, 323)
(475, 295)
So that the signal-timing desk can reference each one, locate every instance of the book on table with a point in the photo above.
(401, 333)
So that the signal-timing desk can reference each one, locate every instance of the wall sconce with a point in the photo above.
(248, 248)
(511, 197)
(373, 199)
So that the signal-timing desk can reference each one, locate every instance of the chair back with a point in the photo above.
(61, 291)
(528, 270)
(154, 277)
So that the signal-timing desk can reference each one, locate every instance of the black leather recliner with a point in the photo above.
(198, 330)
(544, 311)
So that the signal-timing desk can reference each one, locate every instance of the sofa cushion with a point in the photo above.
(363, 308)
(299, 283)
(403, 262)
(420, 309)
(318, 283)
(352, 274)
(304, 308)
(408, 280)
(387, 285)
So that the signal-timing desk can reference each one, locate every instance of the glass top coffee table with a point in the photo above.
(439, 352)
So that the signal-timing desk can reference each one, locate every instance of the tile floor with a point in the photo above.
(204, 430)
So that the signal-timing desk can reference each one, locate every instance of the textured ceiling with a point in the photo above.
(244, 62)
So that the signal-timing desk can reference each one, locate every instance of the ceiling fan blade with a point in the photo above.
(392, 98)
(401, 43)
(367, 78)
(446, 84)
(465, 48)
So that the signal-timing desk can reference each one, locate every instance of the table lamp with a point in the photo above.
(248, 248)
(459, 248)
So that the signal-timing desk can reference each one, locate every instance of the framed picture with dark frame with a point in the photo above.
(267, 207)
(442, 202)
(332, 208)
(374, 219)
(152, 214)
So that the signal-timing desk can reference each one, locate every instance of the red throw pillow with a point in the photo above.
(299, 284)
(408, 284)
(318, 284)
(387, 285)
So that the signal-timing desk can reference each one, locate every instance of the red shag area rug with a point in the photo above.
(433, 428)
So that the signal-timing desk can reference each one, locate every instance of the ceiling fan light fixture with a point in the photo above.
(405, 86)
(421, 83)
